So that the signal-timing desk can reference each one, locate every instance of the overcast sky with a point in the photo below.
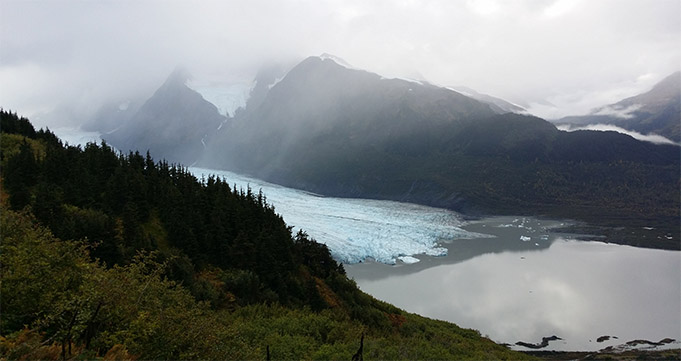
(559, 57)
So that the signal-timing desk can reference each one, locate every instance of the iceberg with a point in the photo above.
(408, 259)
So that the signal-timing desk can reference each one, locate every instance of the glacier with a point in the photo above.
(356, 230)
(226, 97)
(77, 137)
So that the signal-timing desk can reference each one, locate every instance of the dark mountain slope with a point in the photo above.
(344, 132)
(499, 105)
(657, 111)
(113, 115)
(174, 123)
(319, 101)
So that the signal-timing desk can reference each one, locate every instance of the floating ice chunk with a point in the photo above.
(525, 238)
(408, 259)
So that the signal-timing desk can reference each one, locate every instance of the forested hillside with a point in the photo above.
(116, 256)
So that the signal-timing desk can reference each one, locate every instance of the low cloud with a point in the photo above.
(652, 138)
(576, 55)
(622, 113)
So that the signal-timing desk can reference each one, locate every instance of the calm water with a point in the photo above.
(522, 282)
(575, 290)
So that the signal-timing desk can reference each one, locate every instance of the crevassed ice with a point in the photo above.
(226, 97)
(357, 229)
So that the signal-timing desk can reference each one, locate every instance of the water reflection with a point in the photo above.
(576, 290)
(498, 234)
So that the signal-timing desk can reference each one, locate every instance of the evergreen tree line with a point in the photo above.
(124, 203)
(117, 257)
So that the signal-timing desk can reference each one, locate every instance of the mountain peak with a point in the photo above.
(179, 76)
(655, 112)
(670, 84)
(336, 59)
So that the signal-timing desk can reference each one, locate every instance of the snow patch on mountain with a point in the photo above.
(337, 60)
(124, 106)
(419, 82)
(226, 97)
(276, 81)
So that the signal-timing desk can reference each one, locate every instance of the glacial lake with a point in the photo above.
(511, 278)
(514, 289)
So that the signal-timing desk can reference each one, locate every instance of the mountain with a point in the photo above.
(334, 130)
(322, 101)
(265, 79)
(111, 116)
(499, 105)
(174, 123)
(654, 112)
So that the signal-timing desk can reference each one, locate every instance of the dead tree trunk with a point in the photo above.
(358, 356)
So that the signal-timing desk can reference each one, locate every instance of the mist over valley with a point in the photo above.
(340, 180)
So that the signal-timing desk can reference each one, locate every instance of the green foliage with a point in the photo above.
(125, 203)
(164, 266)
(58, 292)
(65, 305)
(35, 263)
(10, 123)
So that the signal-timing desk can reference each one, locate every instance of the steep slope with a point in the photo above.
(174, 123)
(112, 115)
(499, 105)
(322, 99)
(339, 131)
(657, 111)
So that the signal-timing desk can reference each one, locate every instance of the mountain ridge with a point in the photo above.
(653, 112)
(174, 122)
(335, 130)
(343, 98)
(344, 132)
